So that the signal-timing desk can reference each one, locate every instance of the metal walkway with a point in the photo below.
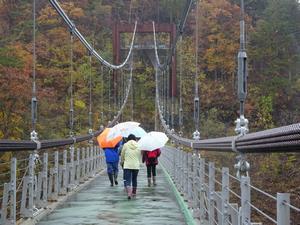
(98, 203)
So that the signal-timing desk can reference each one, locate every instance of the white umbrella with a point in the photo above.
(121, 129)
(138, 132)
(152, 141)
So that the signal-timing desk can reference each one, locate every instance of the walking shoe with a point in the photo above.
(111, 179)
(134, 192)
(116, 179)
(154, 181)
(149, 182)
(129, 192)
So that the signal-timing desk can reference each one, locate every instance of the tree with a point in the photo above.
(274, 54)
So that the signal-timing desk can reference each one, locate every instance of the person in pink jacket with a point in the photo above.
(151, 160)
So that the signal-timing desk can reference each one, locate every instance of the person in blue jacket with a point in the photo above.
(112, 161)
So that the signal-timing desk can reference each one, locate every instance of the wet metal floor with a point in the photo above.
(100, 204)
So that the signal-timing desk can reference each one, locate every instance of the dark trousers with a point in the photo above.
(112, 168)
(130, 176)
(151, 169)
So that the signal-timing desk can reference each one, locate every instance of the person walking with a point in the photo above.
(112, 163)
(151, 160)
(130, 161)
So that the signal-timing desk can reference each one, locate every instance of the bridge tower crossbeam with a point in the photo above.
(123, 27)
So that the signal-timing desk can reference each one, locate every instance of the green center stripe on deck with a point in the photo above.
(183, 206)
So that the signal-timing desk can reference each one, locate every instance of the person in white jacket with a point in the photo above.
(130, 161)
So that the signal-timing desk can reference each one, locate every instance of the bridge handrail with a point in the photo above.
(285, 140)
(28, 145)
(281, 139)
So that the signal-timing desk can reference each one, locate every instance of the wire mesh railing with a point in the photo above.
(215, 200)
(28, 185)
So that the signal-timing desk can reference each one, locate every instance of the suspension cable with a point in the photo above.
(181, 25)
(132, 113)
(71, 86)
(115, 104)
(34, 134)
(163, 91)
(128, 88)
(242, 122)
(72, 26)
(127, 92)
(120, 95)
(196, 134)
(168, 95)
(123, 87)
(161, 73)
(109, 92)
(241, 129)
(155, 46)
(172, 108)
(90, 95)
(102, 95)
(180, 117)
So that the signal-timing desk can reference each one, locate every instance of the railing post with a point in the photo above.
(181, 163)
(177, 168)
(186, 176)
(86, 167)
(211, 194)
(63, 175)
(202, 190)
(82, 177)
(45, 180)
(100, 158)
(71, 169)
(4, 203)
(94, 159)
(12, 192)
(245, 201)
(225, 196)
(89, 161)
(66, 171)
(39, 187)
(195, 177)
(9, 197)
(283, 210)
(190, 178)
(174, 162)
(53, 180)
(78, 166)
(27, 209)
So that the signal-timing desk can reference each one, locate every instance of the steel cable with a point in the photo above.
(72, 27)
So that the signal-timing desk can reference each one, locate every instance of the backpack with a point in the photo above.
(152, 154)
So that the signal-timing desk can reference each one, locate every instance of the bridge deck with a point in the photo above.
(98, 203)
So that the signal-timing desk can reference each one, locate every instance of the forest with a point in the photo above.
(273, 48)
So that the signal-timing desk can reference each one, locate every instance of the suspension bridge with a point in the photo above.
(62, 181)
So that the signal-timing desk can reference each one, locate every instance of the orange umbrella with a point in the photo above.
(104, 143)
